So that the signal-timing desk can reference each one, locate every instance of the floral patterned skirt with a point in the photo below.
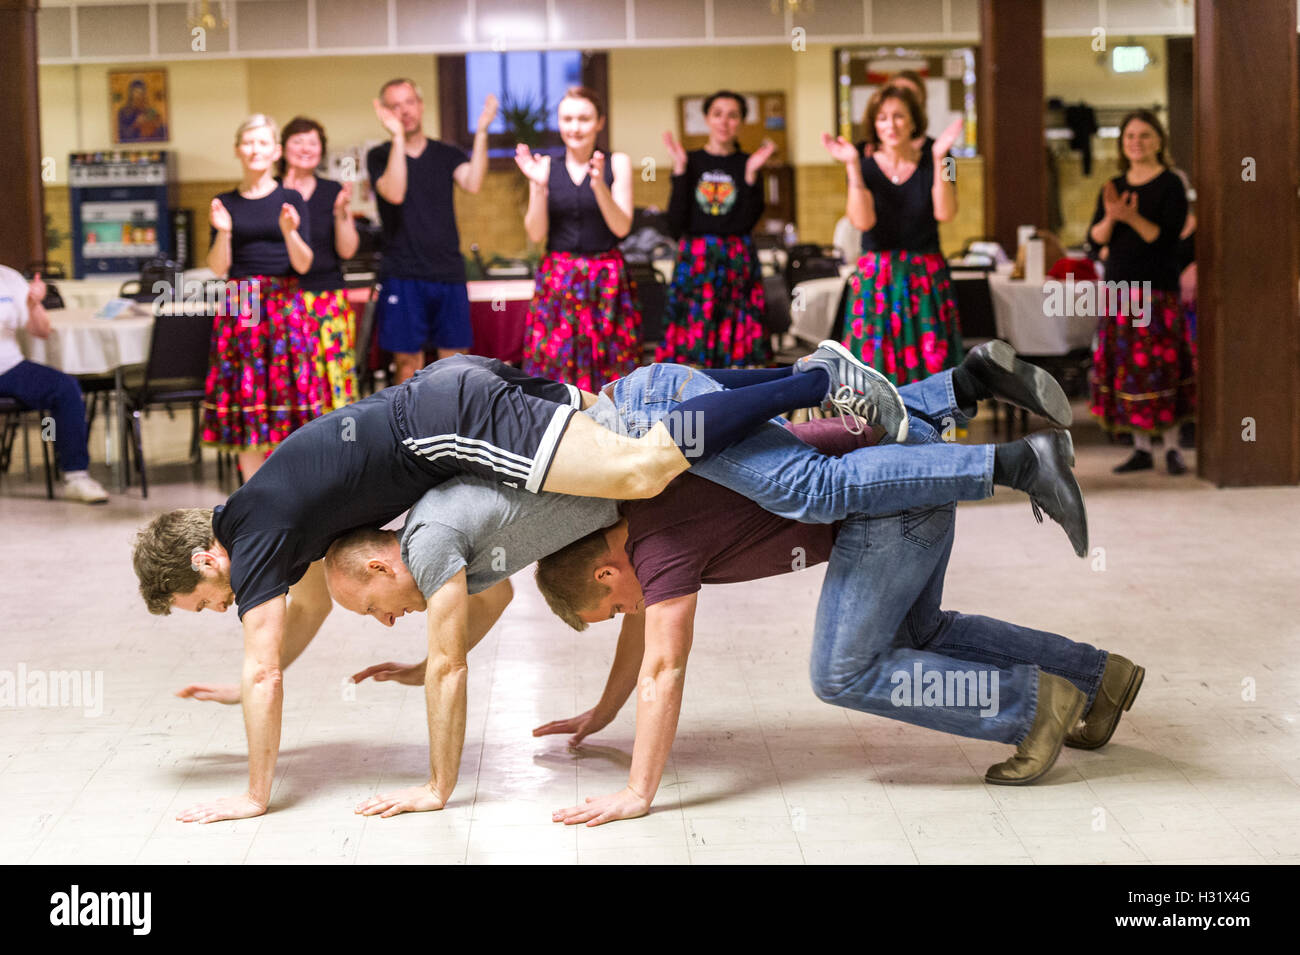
(335, 363)
(1144, 368)
(901, 317)
(714, 314)
(583, 325)
(263, 381)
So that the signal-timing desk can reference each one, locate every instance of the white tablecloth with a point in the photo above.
(1020, 310)
(812, 306)
(500, 290)
(81, 344)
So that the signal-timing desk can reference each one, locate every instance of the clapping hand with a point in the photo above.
(488, 113)
(36, 290)
(536, 168)
(947, 139)
(388, 119)
(289, 219)
(840, 148)
(756, 159)
(597, 168)
(677, 152)
(1119, 208)
(219, 216)
(343, 202)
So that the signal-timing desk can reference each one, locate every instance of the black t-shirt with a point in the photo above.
(289, 513)
(325, 273)
(1163, 201)
(420, 236)
(712, 198)
(256, 242)
(573, 216)
(904, 212)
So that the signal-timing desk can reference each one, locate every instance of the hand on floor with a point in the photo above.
(216, 692)
(582, 725)
(242, 806)
(413, 799)
(412, 674)
(598, 810)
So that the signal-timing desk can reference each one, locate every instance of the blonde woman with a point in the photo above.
(263, 382)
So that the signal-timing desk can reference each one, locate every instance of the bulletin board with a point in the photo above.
(766, 120)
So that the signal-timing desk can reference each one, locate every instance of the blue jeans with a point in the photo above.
(791, 479)
(42, 389)
(882, 644)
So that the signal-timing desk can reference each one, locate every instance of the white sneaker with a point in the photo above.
(83, 487)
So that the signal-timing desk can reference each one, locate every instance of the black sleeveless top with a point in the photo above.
(904, 212)
(576, 224)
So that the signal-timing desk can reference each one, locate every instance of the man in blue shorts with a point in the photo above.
(422, 298)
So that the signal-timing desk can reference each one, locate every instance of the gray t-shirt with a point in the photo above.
(494, 531)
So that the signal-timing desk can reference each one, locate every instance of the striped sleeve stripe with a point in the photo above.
(419, 444)
(478, 455)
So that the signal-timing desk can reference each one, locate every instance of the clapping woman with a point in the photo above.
(1143, 378)
(333, 238)
(901, 314)
(583, 325)
(263, 381)
(713, 316)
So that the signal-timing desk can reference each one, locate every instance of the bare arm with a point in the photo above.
(346, 239)
(300, 253)
(469, 176)
(860, 207)
(622, 681)
(309, 605)
(615, 203)
(537, 220)
(669, 630)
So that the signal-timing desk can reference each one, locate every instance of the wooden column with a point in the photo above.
(22, 240)
(1011, 117)
(1248, 171)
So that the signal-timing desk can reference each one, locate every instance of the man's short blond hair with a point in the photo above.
(567, 581)
(349, 553)
(164, 555)
(401, 81)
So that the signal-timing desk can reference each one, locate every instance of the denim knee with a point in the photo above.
(830, 681)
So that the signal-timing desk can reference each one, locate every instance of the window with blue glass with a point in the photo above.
(530, 85)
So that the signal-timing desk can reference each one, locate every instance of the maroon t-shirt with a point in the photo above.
(697, 532)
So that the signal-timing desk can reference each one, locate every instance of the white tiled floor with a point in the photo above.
(1198, 584)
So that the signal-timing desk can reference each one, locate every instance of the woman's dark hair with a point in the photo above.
(590, 95)
(1148, 117)
(727, 94)
(905, 96)
(299, 124)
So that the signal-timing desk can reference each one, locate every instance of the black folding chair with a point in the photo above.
(175, 373)
(652, 300)
(13, 410)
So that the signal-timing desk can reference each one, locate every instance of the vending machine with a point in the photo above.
(121, 203)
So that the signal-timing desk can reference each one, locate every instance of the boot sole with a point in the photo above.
(1130, 694)
(849, 356)
(1076, 712)
(1052, 402)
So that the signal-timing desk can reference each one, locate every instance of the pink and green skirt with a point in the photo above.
(1144, 371)
(263, 379)
(714, 314)
(901, 315)
(583, 326)
(335, 363)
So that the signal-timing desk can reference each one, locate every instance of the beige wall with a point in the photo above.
(209, 99)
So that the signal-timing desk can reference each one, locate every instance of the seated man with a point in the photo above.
(466, 537)
(363, 465)
(881, 642)
(42, 388)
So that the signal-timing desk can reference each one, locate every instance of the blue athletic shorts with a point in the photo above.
(414, 314)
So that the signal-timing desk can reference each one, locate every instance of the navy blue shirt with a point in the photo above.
(325, 273)
(905, 211)
(420, 236)
(1131, 258)
(574, 222)
(256, 242)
